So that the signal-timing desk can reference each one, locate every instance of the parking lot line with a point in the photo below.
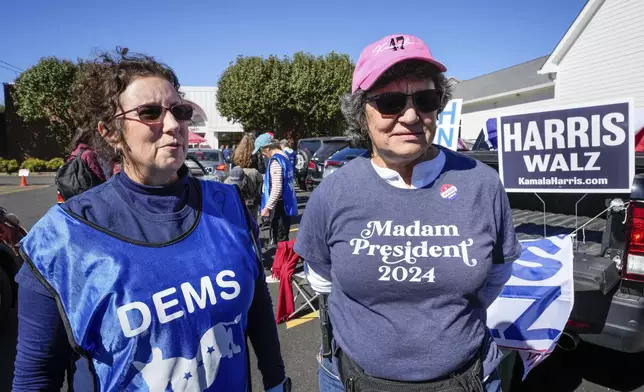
(301, 320)
(293, 229)
(5, 190)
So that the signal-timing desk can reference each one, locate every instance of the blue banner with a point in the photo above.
(532, 310)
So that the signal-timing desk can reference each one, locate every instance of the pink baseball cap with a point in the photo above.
(381, 55)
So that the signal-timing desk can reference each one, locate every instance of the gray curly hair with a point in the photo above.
(353, 105)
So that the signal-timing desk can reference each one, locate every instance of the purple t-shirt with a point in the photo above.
(407, 265)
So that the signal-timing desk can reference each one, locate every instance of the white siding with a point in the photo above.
(206, 98)
(607, 61)
(510, 101)
(472, 123)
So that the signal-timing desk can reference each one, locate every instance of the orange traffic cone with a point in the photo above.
(23, 181)
(60, 198)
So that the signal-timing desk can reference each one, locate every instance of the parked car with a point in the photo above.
(315, 165)
(210, 161)
(341, 157)
(305, 150)
(11, 232)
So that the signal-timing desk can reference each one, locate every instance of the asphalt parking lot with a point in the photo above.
(588, 369)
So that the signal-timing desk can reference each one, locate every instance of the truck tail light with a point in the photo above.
(633, 267)
(331, 163)
(221, 167)
(312, 165)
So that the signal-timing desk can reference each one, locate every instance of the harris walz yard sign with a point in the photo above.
(569, 149)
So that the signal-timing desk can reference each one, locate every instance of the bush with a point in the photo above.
(55, 164)
(12, 166)
(8, 166)
(34, 164)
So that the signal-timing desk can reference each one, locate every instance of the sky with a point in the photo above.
(199, 38)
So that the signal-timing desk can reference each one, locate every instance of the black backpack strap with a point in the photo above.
(249, 226)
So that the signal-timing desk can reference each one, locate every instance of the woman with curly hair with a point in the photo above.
(251, 182)
(420, 248)
(152, 280)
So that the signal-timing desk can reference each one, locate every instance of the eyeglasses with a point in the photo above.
(151, 114)
(390, 104)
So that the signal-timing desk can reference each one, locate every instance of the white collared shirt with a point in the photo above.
(423, 174)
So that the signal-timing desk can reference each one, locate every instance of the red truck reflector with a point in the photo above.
(332, 163)
(633, 268)
(577, 324)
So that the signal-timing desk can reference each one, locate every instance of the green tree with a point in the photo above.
(253, 91)
(292, 97)
(44, 92)
(315, 89)
(1, 108)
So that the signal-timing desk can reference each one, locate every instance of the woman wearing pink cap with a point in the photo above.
(420, 248)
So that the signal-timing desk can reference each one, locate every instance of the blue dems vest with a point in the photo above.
(288, 183)
(154, 317)
(292, 157)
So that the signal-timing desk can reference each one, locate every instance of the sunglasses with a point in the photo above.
(426, 101)
(151, 114)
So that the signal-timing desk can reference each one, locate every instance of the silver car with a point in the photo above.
(211, 160)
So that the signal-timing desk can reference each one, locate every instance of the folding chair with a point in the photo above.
(300, 283)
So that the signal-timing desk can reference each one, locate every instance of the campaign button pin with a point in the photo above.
(449, 191)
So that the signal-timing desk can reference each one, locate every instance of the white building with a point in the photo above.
(600, 57)
(207, 122)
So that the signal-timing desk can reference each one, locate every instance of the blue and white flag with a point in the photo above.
(532, 310)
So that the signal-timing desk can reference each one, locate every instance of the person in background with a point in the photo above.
(279, 201)
(238, 178)
(251, 182)
(230, 156)
(226, 152)
(152, 280)
(81, 145)
(292, 155)
(413, 244)
(83, 168)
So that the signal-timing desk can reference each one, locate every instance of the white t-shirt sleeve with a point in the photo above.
(319, 284)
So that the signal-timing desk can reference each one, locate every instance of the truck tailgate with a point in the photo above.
(595, 277)
(529, 225)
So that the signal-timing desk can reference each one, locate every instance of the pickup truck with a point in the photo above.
(608, 262)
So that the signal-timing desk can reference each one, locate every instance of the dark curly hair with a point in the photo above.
(98, 90)
(353, 105)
